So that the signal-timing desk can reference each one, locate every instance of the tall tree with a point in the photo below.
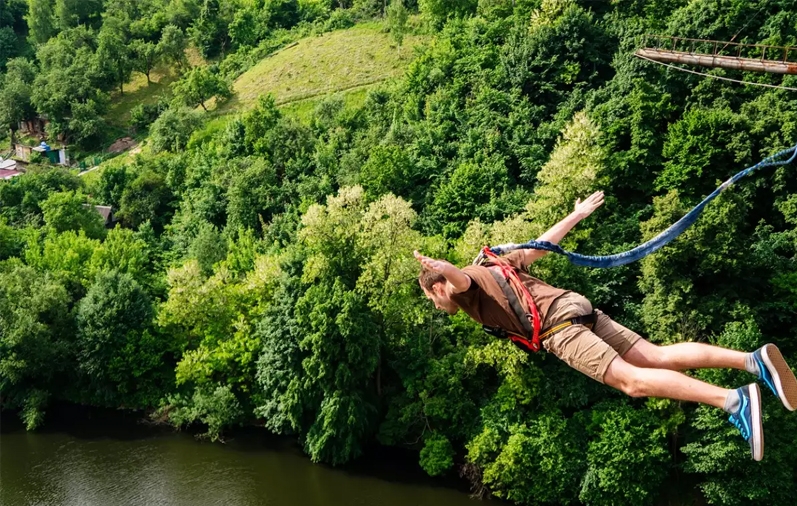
(145, 56)
(146, 198)
(337, 329)
(71, 13)
(173, 128)
(70, 73)
(41, 20)
(35, 339)
(200, 85)
(172, 46)
(210, 30)
(114, 50)
(68, 211)
(397, 16)
(12, 14)
(15, 94)
(117, 352)
(8, 45)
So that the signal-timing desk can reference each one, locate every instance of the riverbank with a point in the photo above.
(91, 456)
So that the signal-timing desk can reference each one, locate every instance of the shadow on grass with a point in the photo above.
(138, 91)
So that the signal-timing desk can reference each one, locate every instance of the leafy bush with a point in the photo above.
(173, 128)
(143, 115)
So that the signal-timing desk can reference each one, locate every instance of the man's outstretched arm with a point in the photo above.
(557, 232)
(459, 281)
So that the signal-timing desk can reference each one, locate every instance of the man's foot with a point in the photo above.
(776, 374)
(748, 419)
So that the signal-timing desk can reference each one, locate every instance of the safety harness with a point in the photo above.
(516, 293)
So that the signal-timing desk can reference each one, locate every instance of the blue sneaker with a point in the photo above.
(776, 374)
(748, 419)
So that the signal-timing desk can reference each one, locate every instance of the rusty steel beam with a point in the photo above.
(726, 62)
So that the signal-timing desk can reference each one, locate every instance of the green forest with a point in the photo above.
(259, 271)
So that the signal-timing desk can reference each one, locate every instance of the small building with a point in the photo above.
(22, 152)
(6, 174)
(35, 126)
(60, 156)
(9, 168)
(107, 215)
(46, 151)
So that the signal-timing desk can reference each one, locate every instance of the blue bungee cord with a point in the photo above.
(645, 249)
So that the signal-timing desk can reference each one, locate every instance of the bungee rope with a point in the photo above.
(645, 249)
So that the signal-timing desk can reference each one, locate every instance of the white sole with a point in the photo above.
(782, 376)
(758, 429)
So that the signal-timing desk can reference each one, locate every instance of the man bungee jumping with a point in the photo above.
(499, 293)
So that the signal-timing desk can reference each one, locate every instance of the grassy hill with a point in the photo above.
(334, 62)
(345, 62)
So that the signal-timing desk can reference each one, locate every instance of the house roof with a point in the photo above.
(105, 211)
(8, 173)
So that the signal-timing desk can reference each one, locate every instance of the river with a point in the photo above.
(83, 458)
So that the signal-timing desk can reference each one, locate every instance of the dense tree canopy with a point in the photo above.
(261, 270)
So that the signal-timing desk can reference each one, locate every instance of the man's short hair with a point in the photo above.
(429, 278)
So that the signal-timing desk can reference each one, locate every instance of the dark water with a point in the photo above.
(97, 460)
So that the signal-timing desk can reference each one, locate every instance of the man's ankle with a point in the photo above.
(751, 365)
(733, 401)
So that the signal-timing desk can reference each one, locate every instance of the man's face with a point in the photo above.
(441, 299)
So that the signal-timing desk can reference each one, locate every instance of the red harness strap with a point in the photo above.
(508, 272)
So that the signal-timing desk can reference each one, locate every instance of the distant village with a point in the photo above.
(14, 162)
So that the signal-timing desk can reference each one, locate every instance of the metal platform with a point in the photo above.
(715, 53)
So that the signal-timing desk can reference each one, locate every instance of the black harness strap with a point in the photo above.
(514, 303)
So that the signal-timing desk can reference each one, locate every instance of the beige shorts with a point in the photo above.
(587, 351)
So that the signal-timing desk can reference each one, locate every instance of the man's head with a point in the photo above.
(434, 286)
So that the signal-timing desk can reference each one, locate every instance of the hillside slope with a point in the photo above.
(333, 62)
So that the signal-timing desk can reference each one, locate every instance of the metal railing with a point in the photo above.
(782, 54)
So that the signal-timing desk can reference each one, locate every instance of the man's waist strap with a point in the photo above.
(588, 320)
(523, 343)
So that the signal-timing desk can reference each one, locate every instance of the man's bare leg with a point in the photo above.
(766, 363)
(646, 382)
(683, 356)
(743, 404)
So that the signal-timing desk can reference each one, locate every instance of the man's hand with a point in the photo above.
(432, 264)
(457, 280)
(558, 231)
(584, 209)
